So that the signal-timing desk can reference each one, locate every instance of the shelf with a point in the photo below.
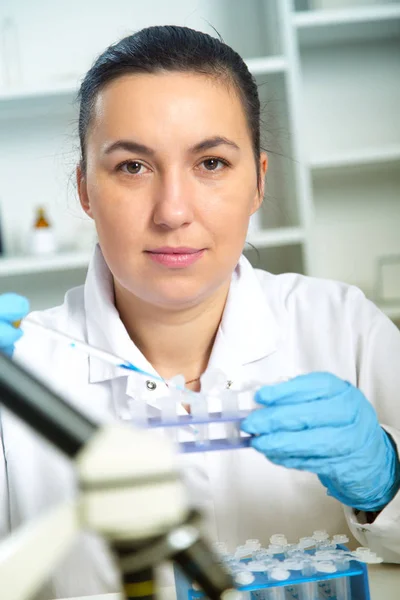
(365, 14)
(263, 66)
(257, 66)
(391, 310)
(357, 158)
(282, 236)
(26, 102)
(26, 93)
(23, 265)
(350, 25)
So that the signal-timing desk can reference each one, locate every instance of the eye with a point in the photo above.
(131, 167)
(214, 164)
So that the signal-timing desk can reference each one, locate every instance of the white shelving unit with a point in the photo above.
(342, 16)
(367, 156)
(349, 87)
(264, 66)
(392, 310)
(23, 265)
(330, 82)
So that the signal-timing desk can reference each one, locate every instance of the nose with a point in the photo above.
(173, 207)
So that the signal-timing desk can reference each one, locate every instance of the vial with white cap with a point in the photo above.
(365, 555)
(220, 548)
(340, 539)
(320, 535)
(242, 552)
(306, 542)
(279, 539)
(212, 380)
(253, 544)
(325, 566)
(243, 577)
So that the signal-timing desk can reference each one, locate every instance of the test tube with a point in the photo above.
(275, 593)
(168, 407)
(342, 588)
(342, 584)
(168, 410)
(199, 409)
(277, 573)
(308, 590)
(138, 412)
(230, 408)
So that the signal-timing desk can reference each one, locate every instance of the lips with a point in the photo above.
(176, 258)
(171, 250)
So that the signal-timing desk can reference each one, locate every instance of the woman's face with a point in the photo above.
(170, 183)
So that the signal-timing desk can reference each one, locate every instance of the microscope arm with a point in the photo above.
(28, 557)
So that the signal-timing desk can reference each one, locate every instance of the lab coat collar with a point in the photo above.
(105, 329)
(248, 330)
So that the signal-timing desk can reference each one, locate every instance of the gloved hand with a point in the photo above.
(320, 423)
(12, 308)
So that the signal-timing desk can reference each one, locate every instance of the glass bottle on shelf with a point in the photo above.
(42, 239)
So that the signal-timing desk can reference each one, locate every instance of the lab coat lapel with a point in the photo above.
(248, 331)
(105, 329)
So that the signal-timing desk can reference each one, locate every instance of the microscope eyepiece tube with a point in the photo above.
(45, 411)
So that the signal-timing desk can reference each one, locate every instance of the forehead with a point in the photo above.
(169, 104)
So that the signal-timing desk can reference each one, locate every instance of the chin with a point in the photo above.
(178, 296)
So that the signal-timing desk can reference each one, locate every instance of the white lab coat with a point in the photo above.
(272, 327)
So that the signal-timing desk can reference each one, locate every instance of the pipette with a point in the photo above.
(91, 350)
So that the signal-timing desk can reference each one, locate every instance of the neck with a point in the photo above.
(173, 341)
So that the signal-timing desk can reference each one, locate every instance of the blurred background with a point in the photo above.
(329, 80)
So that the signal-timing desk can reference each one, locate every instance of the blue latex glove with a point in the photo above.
(12, 308)
(319, 423)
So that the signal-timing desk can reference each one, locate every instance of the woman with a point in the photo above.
(171, 170)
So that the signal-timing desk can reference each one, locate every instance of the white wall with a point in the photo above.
(60, 38)
(357, 220)
(351, 103)
(351, 96)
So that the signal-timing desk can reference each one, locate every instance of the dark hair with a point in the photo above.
(170, 48)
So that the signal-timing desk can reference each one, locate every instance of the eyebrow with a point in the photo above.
(212, 143)
(135, 147)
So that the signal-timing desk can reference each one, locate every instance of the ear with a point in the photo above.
(82, 191)
(259, 197)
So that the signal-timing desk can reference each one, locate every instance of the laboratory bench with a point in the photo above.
(384, 581)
